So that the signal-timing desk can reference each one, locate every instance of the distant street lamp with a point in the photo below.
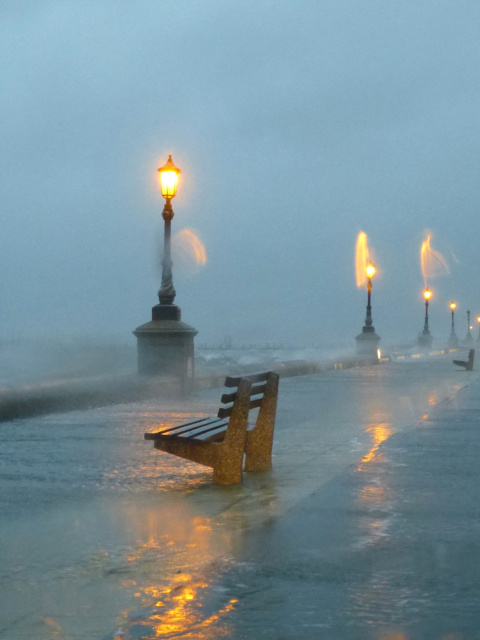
(425, 339)
(168, 182)
(370, 271)
(368, 340)
(469, 337)
(453, 340)
(478, 320)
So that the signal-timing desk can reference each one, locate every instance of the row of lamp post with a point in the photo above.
(165, 344)
(367, 341)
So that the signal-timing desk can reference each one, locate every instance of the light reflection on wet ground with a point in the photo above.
(103, 532)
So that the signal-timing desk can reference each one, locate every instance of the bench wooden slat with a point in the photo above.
(187, 424)
(224, 412)
(221, 425)
(258, 389)
(181, 428)
(230, 397)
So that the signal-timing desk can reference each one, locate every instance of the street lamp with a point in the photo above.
(453, 340)
(165, 345)
(370, 271)
(469, 329)
(168, 183)
(367, 341)
(478, 320)
(425, 339)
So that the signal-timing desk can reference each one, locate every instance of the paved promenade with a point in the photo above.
(388, 550)
(367, 527)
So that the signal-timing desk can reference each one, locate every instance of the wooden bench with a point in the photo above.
(467, 364)
(221, 442)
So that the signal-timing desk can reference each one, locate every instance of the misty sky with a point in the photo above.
(295, 124)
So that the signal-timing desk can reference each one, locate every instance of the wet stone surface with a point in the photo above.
(390, 550)
(367, 526)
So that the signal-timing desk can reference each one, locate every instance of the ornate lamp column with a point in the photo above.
(469, 337)
(165, 345)
(367, 341)
(168, 181)
(453, 340)
(425, 338)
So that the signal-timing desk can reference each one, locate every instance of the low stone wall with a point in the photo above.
(71, 395)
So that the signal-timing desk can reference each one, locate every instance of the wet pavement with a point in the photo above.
(367, 527)
(390, 549)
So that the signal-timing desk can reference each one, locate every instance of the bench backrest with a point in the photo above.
(260, 383)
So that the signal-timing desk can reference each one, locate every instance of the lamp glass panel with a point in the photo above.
(168, 183)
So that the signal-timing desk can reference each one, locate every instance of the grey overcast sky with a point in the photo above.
(295, 124)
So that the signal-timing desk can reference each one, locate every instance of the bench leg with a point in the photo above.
(228, 471)
(258, 448)
(226, 457)
(229, 454)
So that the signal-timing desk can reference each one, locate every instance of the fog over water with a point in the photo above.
(296, 125)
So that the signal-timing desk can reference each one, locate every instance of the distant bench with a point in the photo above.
(221, 442)
(467, 364)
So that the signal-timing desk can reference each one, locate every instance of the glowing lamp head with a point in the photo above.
(370, 270)
(427, 294)
(453, 305)
(169, 179)
(478, 319)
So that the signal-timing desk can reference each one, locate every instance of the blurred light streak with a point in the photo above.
(189, 251)
(362, 258)
(432, 263)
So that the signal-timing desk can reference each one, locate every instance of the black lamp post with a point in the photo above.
(453, 340)
(425, 338)
(370, 269)
(469, 329)
(168, 182)
(367, 341)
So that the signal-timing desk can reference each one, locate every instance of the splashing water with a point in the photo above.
(432, 263)
(362, 258)
(189, 251)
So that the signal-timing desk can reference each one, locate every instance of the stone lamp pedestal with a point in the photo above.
(425, 339)
(367, 342)
(165, 346)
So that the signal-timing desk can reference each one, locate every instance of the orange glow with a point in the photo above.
(174, 562)
(432, 262)
(478, 319)
(169, 179)
(453, 305)
(189, 250)
(363, 260)
(427, 294)
(379, 433)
